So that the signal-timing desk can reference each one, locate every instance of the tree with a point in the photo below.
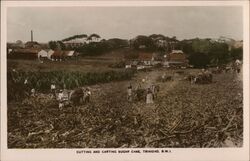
(74, 37)
(201, 45)
(144, 41)
(52, 45)
(56, 45)
(219, 53)
(236, 53)
(199, 60)
(60, 45)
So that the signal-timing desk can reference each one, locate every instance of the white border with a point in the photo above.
(219, 154)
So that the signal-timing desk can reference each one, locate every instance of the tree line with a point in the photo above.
(200, 52)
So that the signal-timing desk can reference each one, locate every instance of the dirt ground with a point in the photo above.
(182, 115)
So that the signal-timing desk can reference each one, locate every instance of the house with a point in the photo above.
(73, 44)
(70, 54)
(45, 54)
(177, 58)
(42, 54)
(24, 53)
(50, 53)
(146, 58)
(58, 55)
(161, 43)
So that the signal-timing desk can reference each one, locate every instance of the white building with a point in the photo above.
(45, 54)
(50, 53)
(42, 54)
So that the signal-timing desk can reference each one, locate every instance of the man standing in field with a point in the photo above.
(87, 95)
(26, 87)
(53, 89)
(129, 93)
(149, 97)
(237, 65)
(33, 92)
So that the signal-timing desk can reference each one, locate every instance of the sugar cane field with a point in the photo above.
(183, 114)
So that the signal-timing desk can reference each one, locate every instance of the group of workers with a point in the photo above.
(63, 96)
(151, 93)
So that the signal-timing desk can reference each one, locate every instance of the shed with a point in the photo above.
(25, 53)
(42, 54)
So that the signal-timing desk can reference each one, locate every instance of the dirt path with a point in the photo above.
(118, 90)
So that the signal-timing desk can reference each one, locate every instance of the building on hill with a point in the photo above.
(149, 59)
(177, 58)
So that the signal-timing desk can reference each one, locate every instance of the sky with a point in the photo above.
(184, 22)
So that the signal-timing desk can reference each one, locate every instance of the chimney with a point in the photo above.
(31, 36)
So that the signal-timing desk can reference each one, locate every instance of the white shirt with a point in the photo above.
(53, 86)
(26, 81)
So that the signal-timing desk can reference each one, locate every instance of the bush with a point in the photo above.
(199, 60)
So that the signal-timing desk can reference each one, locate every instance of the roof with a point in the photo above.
(31, 43)
(177, 56)
(145, 56)
(58, 53)
(27, 51)
(47, 50)
(177, 51)
(69, 53)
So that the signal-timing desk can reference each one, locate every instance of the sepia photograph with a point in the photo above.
(125, 77)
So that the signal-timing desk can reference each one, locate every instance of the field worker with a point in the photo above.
(154, 91)
(26, 87)
(138, 87)
(149, 97)
(163, 77)
(237, 64)
(26, 84)
(129, 92)
(88, 94)
(60, 99)
(53, 88)
(33, 91)
(25, 81)
(143, 80)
